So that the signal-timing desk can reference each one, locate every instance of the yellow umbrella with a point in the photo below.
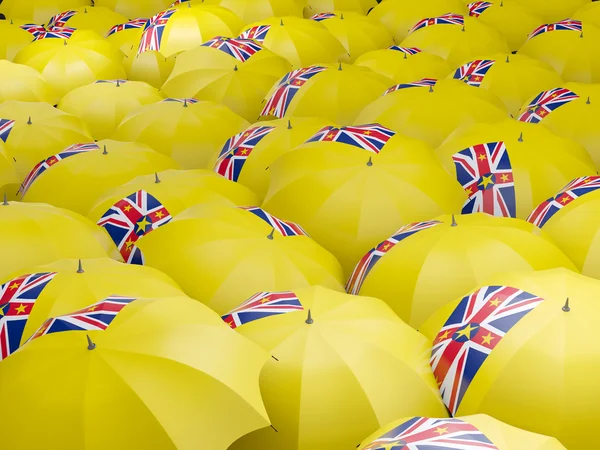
(480, 430)
(523, 339)
(569, 46)
(150, 67)
(135, 8)
(589, 13)
(8, 176)
(335, 92)
(96, 392)
(301, 41)
(512, 78)
(537, 163)
(39, 131)
(434, 262)
(571, 221)
(356, 32)
(19, 82)
(235, 72)
(319, 388)
(103, 104)
(52, 232)
(432, 113)
(38, 11)
(13, 38)
(221, 254)
(189, 131)
(76, 176)
(175, 30)
(554, 10)
(399, 17)
(361, 7)
(67, 63)
(98, 19)
(352, 186)
(251, 10)
(126, 36)
(404, 64)
(455, 37)
(247, 156)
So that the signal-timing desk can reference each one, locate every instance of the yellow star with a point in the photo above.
(495, 302)
(92, 308)
(159, 214)
(129, 244)
(564, 200)
(330, 136)
(367, 132)
(272, 112)
(142, 224)
(265, 300)
(478, 78)
(468, 191)
(15, 285)
(386, 246)
(444, 336)
(485, 180)
(20, 309)
(466, 331)
(543, 112)
(127, 208)
(482, 157)
(487, 339)
(244, 151)
(504, 177)
(440, 430)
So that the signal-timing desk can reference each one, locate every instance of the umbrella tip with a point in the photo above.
(430, 88)
(289, 127)
(370, 162)
(118, 83)
(80, 267)
(185, 103)
(91, 345)
(156, 179)
(502, 3)
(463, 28)
(235, 68)
(85, 10)
(64, 42)
(5, 202)
(281, 23)
(581, 35)
(507, 58)
(104, 151)
(274, 429)
(29, 121)
(271, 234)
(566, 308)
(340, 66)
(342, 16)
(309, 320)
(587, 102)
(520, 137)
(453, 224)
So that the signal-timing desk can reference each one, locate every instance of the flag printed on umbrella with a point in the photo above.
(283, 227)
(546, 102)
(371, 137)
(471, 333)
(287, 88)
(154, 30)
(446, 19)
(485, 173)
(56, 33)
(564, 25)
(94, 317)
(406, 50)
(368, 261)
(44, 165)
(257, 33)
(17, 299)
(261, 305)
(6, 126)
(422, 433)
(323, 16)
(185, 101)
(575, 189)
(131, 25)
(33, 29)
(423, 82)
(131, 218)
(240, 49)
(178, 2)
(237, 149)
(473, 73)
(60, 20)
(478, 8)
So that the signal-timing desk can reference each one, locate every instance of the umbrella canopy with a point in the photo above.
(336, 92)
(38, 11)
(135, 8)
(13, 38)
(235, 72)
(527, 163)
(72, 60)
(126, 36)
(361, 7)
(96, 392)
(150, 67)
(8, 176)
(403, 64)
(96, 18)
(246, 157)
(546, 333)
(301, 41)
(440, 433)
(320, 391)
(589, 13)
(410, 108)
(22, 83)
(189, 131)
(103, 104)
(554, 10)
(435, 262)
(76, 176)
(351, 187)
(252, 10)
(220, 254)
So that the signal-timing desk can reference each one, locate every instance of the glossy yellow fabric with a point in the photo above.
(554, 10)
(589, 12)
(127, 41)
(361, 7)
(22, 83)
(38, 11)
(433, 267)
(133, 9)
(253, 10)
(321, 392)
(12, 39)
(96, 18)
(9, 181)
(221, 255)
(151, 67)
(132, 390)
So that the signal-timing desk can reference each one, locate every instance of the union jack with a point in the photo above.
(187, 101)
(44, 165)
(406, 50)
(178, 2)
(132, 24)
(473, 73)
(131, 218)
(371, 258)
(119, 82)
(478, 8)
(284, 227)
(263, 304)
(240, 49)
(323, 16)
(371, 137)
(446, 19)
(34, 29)
(154, 30)
(257, 33)
(567, 25)
(575, 189)
(423, 82)
(287, 88)
(546, 102)
(421, 433)
(471, 333)
(60, 20)
(6, 126)
(94, 317)
(485, 173)
(17, 299)
(237, 149)
(56, 33)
